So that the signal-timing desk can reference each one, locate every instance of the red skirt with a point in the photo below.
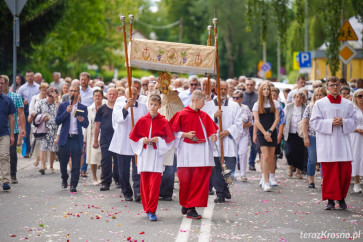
(194, 186)
(336, 179)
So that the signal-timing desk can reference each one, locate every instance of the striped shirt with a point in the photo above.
(18, 103)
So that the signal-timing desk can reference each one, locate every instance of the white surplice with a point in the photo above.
(357, 146)
(333, 142)
(150, 159)
(231, 121)
(194, 155)
(120, 143)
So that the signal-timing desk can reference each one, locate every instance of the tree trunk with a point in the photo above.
(228, 41)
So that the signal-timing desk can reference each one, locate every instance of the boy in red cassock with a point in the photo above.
(151, 139)
(194, 130)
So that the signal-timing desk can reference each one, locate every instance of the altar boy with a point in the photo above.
(151, 139)
(194, 130)
(333, 118)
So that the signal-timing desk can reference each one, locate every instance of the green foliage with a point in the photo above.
(332, 23)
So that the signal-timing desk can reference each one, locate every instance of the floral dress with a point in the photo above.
(47, 143)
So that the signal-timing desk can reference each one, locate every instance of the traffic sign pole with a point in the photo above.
(14, 48)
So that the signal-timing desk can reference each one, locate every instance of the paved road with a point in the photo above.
(37, 209)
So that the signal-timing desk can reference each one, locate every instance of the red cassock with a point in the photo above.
(193, 180)
(150, 180)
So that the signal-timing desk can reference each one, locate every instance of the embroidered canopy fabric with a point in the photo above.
(172, 57)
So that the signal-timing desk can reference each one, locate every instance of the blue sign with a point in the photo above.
(304, 60)
(266, 67)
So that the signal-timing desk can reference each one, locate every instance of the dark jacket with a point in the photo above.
(63, 118)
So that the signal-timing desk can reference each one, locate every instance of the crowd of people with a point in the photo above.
(183, 133)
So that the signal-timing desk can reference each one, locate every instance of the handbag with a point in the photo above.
(300, 129)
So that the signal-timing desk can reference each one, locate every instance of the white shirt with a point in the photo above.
(185, 97)
(232, 122)
(295, 119)
(87, 96)
(73, 124)
(150, 159)
(194, 155)
(267, 105)
(333, 142)
(120, 142)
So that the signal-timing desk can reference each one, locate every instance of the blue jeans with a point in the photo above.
(84, 165)
(312, 156)
(253, 152)
(71, 149)
(27, 128)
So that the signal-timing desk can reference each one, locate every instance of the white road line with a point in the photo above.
(184, 230)
(207, 221)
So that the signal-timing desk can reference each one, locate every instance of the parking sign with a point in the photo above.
(305, 62)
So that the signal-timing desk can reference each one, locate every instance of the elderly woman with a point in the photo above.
(357, 141)
(295, 149)
(48, 107)
(247, 118)
(310, 136)
(32, 110)
(94, 155)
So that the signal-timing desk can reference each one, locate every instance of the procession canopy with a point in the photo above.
(172, 57)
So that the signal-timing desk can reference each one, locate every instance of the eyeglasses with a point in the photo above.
(334, 85)
(236, 98)
(73, 91)
(192, 84)
(360, 96)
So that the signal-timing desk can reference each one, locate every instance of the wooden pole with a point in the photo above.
(215, 21)
(131, 17)
(209, 44)
(128, 70)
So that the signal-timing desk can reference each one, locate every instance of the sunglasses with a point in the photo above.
(192, 84)
(144, 85)
(360, 96)
(236, 98)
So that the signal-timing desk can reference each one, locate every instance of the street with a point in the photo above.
(38, 209)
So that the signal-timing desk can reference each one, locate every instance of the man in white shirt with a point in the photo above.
(26, 92)
(333, 118)
(57, 83)
(87, 100)
(231, 115)
(120, 143)
(185, 95)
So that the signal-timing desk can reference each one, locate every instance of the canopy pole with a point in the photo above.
(209, 44)
(128, 70)
(215, 21)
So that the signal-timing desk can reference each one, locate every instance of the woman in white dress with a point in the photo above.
(93, 155)
(357, 141)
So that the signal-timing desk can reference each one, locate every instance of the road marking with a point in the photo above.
(206, 225)
(184, 230)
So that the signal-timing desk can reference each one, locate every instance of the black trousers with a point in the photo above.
(108, 158)
(124, 175)
(218, 180)
(167, 181)
(295, 151)
(14, 156)
(71, 149)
